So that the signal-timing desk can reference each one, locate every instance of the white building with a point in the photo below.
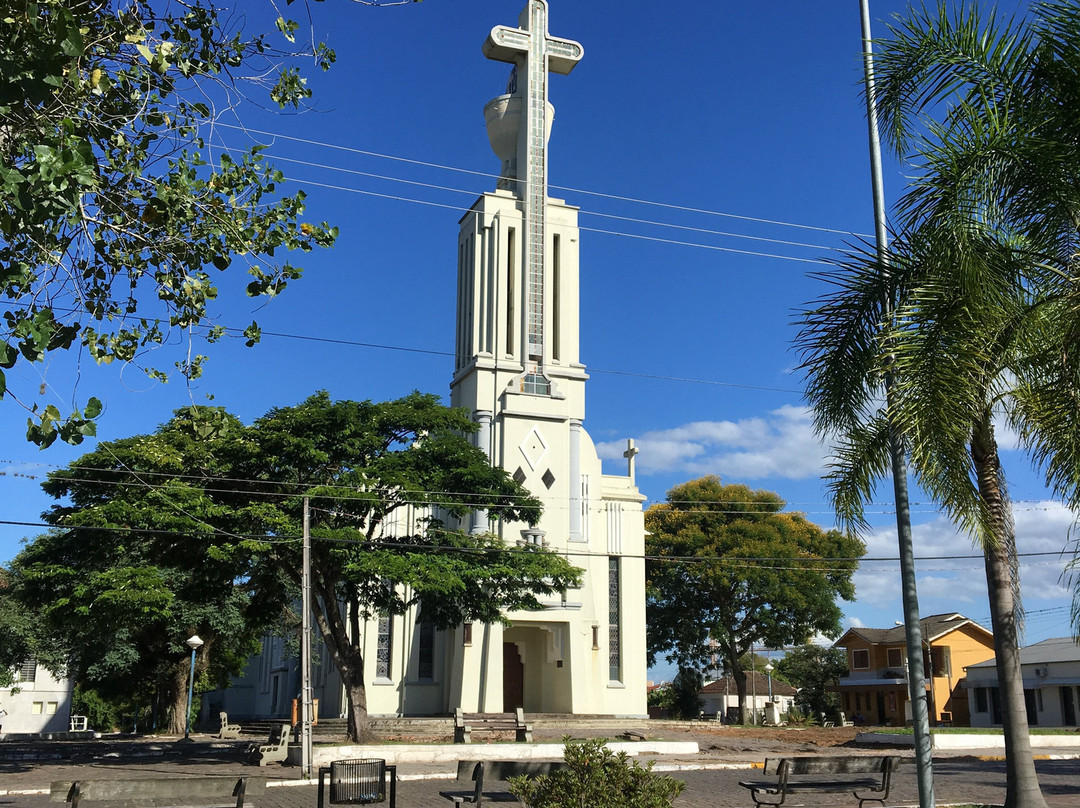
(518, 370)
(37, 702)
(1051, 673)
(720, 698)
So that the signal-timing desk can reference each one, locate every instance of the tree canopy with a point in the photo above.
(114, 206)
(727, 570)
(387, 482)
(811, 669)
(197, 529)
(139, 559)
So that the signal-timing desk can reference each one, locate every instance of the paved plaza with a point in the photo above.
(712, 777)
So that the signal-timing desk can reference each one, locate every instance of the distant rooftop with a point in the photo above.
(1056, 649)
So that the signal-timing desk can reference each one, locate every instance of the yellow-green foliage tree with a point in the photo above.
(728, 570)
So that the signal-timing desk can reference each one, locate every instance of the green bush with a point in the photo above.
(596, 777)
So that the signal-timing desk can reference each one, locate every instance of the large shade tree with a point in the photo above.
(197, 529)
(142, 556)
(973, 312)
(387, 483)
(116, 211)
(728, 570)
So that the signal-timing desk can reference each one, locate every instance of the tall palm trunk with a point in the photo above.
(1022, 781)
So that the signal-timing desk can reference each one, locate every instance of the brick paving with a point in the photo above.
(711, 778)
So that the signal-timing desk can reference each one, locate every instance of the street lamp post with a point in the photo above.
(194, 643)
(769, 670)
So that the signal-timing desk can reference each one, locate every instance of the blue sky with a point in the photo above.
(718, 153)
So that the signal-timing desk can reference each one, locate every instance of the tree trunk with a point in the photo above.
(349, 662)
(1021, 780)
(739, 675)
(177, 685)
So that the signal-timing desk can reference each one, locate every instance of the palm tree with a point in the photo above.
(973, 315)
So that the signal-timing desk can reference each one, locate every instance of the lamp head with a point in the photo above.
(193, 642)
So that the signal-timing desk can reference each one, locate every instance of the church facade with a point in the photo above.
(518, 371)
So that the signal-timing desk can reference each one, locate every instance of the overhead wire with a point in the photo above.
(827, 564)
(214, 484)
(489, 175)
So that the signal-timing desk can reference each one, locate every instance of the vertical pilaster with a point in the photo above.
(483, 443)
(575, 480)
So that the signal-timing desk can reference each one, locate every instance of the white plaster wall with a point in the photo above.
(43, 705)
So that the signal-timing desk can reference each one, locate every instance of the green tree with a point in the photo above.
(16, 632)
(811, 669)
(728, 571)
(387, 484)
(973, 314)
(686, 694)
(111, 211)
(138, 561)
(197, 529)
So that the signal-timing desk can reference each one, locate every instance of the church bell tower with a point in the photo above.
(517, 366)
(517, 370)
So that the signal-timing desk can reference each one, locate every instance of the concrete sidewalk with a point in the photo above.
(712, 775)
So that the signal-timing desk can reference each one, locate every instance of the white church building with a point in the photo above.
(519, 372)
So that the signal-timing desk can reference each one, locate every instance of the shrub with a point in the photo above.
(596, 777)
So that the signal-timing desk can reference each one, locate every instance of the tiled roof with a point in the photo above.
(933, 628)
(727, 685)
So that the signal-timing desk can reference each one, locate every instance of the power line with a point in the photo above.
(582, 211)
(673, 242)
(489, 175)
(391, 543)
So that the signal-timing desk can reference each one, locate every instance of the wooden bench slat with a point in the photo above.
(819, 774)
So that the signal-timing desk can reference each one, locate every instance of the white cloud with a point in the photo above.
(780, 445)
(949, 568)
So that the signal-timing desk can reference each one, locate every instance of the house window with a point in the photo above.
(614, 657)
(27, 671)
(466, 634)
(426, 654)
(980, 700)
(50, 707)
(896, 658)
(37, 708)
(860, 660)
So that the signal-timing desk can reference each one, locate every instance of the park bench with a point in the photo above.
(275, 748)
(163, 791)
(467, 723)
(358, 782)
(825, 775)
(477, 772)
(227, 730)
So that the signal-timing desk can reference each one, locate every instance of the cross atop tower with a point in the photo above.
(533, 52)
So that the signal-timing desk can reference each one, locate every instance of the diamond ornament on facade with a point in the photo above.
(533, 447)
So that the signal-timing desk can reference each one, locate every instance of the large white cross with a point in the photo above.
(534, 52)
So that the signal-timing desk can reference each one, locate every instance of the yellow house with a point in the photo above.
(875, 687)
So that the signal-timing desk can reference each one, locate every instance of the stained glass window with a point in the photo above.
(614, 656)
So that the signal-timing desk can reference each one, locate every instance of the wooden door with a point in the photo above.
(513, 678)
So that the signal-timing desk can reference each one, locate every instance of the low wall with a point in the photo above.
(951, 740)
(450, 754)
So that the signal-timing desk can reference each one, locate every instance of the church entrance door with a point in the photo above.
(513, 678)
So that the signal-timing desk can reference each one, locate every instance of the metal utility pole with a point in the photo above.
(305, 651)
(912, 626)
